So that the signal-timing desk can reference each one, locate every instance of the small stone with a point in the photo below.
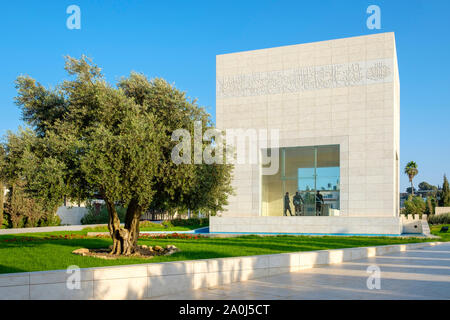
(158, 248)
(81, 251)
(144, 246)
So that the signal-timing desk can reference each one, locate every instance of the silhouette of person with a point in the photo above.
(287, 205)
(319, 202)
(297, 201)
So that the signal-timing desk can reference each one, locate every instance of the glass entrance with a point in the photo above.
(307, 183)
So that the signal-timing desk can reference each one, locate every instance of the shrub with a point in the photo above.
(23, 211)
(5, 222)
(167, 224)
(93, 217)
(431, 204)
(413, 206)
(50, 220)
(23, 222)
(439, 219)
(190, 222)
(144, 224)
(445, 194)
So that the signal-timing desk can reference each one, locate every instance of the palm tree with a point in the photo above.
(411, 170)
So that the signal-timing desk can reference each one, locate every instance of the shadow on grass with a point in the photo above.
(9, 269)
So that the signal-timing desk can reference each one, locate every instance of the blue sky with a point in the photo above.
(178, 40)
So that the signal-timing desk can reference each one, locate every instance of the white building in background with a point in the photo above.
(336, 105)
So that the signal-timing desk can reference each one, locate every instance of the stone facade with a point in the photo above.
(442, 210)
(343, 92)
(71, 215)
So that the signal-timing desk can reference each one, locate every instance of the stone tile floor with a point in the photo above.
(414, 274)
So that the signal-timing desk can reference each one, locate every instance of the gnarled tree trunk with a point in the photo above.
(124, 239)
(134, 212)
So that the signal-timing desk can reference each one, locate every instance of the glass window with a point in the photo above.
(306, 184)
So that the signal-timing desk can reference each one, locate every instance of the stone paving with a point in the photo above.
(414, 274)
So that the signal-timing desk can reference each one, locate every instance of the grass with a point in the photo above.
(435, 230)
(39, 251)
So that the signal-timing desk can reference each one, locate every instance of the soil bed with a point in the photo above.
(143, 251)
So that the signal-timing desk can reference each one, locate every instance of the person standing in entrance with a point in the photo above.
(287, 206)
(319, 203)
(297, 201)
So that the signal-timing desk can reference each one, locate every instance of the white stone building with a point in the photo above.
(336, 105)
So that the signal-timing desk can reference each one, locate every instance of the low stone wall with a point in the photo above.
(71, 215)
(157, 279)
(302, 224)
(46, 229)
(441, 210)
(412, 225)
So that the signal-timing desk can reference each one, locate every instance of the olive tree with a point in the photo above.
(115, 141)
(121, 162)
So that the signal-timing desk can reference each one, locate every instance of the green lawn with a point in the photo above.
(38, 251)
(435, 231)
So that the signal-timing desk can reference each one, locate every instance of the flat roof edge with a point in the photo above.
(308, 43)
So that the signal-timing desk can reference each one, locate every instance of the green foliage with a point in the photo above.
(182, 186)
(33, 184)
(430, 205)
(50, 220)
(445, 194)
(42, 107)
(414, 206)
(5, 223)
(411, 170)
(151, 226)
(88, 137)
(409, 190)
(167, 224)
(439, 219)
(426, 186)
(202, 222)
(21, 210)
(24, 164)
(102, 216)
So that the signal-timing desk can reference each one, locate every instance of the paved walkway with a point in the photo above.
(414, 274)
(48, 229)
